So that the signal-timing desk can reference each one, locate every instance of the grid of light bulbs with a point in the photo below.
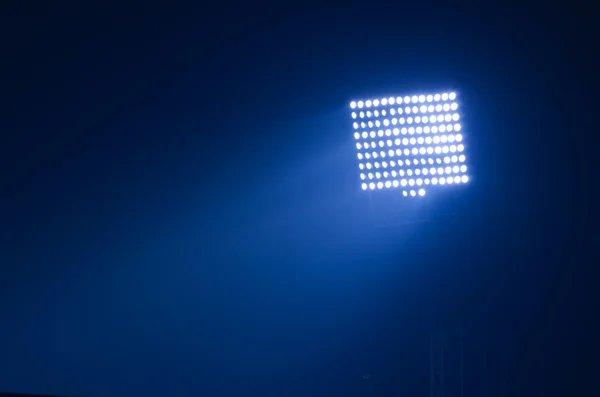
(410, 142)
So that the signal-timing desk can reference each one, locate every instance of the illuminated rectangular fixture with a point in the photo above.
(411, 143)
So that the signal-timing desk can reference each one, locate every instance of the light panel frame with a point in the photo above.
(411, 143)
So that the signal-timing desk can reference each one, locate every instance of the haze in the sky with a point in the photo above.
(181, 212)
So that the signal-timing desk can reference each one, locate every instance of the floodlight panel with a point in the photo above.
(412, 142)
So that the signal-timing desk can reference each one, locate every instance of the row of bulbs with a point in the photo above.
(451, 138)
(406, 99)
(409, 120)
(413, 193)
(418, 182)
(419, 171)
(407, 110)
(415, 151)
(415, 161)
(410, 130)
(409, 162)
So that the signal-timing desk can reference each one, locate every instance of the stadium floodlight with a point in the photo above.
(412, 143)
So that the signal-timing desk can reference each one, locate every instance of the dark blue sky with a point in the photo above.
(181, 216)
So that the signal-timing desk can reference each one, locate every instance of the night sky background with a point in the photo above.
(180, 212)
